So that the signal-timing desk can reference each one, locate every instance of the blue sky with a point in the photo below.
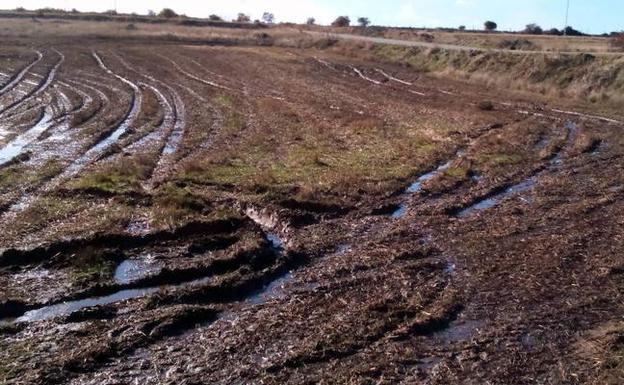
(594, 16)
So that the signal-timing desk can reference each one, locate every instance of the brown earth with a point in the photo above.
(239, 214)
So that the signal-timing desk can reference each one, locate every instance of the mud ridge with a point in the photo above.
(17, 257)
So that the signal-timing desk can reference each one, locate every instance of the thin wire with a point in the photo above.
(565, 28)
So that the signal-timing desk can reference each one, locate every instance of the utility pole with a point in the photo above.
(565, 28)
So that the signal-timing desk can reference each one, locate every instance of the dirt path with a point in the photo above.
(451, 47)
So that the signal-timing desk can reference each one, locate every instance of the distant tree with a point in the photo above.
(569, 31)
(242, 18)
(341, 21)
(490, 26)
(554, 32)
(167, 13)
(20, 9)
(74, 10)
(151, 13)
(111, 12)
(363, 21)
(215, 18)
(268, 17)
(533, 29)
(311, 21)
(462, 27)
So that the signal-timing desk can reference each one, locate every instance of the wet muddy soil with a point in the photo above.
(279, 215)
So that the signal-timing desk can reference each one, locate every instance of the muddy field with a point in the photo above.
(196, 214)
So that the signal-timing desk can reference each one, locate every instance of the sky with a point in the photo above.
(591, 16)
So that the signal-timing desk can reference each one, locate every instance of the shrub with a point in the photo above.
(325, 43)
(533, 29)
(554, 32)
(311, 21)
(341, 21)
(363, 21)
(131, 27)
(167, 13)
(462, 27)
(242, 18)
(569, 31)
(490, 26)
(215, 18)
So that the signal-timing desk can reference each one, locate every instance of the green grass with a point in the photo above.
(500, 159)
(97, 271)
(121, 177)
(224, 100)
(373, 164)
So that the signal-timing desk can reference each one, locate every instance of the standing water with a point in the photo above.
(15, 147)
(417, 186)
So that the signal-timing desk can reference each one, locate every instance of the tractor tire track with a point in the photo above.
(41, 87)
(90, 156)
(122, 127)
(196, 78)
(19, 76)
(175, 123)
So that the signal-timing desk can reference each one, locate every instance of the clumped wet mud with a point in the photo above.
(211, 214)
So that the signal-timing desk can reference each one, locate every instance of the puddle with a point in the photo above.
(493, 200)
(343, 249)
(19, 76)
(132, 270)
(460, 331)
(450, 268)
(274, 290)
(66, 308)
(399, 212)
(69, 307)
(39, 88)
(15, 147)
(276, 242)
(416, 186)
(522, 186)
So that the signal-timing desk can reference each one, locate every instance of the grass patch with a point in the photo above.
(124, 176)
(90, 266)
(172, 205)
(370, 163)
(224, 100)
(500, 159)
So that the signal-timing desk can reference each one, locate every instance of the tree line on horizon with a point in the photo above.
(340, 21)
